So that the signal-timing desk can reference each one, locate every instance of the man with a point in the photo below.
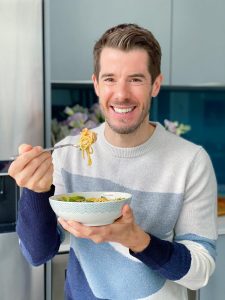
(165, 242)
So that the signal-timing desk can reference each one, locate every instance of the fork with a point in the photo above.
(50, 149)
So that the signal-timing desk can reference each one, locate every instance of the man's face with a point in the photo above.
(124, 89)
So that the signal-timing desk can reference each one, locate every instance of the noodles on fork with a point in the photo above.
(87, 138)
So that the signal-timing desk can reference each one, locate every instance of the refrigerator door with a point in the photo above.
(21, 121)
(18, 280)
(21, 75)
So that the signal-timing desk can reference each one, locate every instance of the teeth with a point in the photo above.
(122, 110)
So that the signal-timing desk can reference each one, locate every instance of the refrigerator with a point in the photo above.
(22, 120)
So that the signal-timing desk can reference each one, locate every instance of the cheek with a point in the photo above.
(141, 92)
(104, 94)
(144, 97)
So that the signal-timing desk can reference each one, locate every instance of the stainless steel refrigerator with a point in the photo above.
(22, 115)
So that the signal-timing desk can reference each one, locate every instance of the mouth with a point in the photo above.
(122, 110)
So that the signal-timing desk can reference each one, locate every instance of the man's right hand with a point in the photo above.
(32, 169)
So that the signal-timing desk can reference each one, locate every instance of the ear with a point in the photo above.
(156, 85)
(95, 82)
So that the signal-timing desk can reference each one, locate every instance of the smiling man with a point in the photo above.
(164, 242)
(124, 86)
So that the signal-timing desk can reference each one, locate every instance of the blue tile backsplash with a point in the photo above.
(203, 108)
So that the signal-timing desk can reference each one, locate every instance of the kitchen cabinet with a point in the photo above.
(198, 42)
(216, 286)
(191, 34)
(76, 25)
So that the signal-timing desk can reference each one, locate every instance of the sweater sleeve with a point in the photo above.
(37, 227)
(190, 258)
(162, 256)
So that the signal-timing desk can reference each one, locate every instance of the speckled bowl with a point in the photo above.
(91, 213)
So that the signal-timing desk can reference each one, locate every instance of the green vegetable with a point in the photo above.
(72, 198)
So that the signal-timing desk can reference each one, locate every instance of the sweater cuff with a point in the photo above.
(157, 253)
(38, 202)
(170, 259)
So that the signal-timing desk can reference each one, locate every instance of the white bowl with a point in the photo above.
(91, 213)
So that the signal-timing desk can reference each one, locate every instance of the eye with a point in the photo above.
(137, 80)
(109, 80)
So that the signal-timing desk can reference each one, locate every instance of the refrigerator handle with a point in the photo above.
(2, 185)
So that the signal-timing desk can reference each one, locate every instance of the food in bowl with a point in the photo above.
(90, 208)
(79, 198)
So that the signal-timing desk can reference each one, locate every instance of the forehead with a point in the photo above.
(116, 59)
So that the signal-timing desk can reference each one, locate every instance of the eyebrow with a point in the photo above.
(130, 76)
(107, 75)
(137, 75)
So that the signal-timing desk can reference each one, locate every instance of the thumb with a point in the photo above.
(24, 148)
(127, 213)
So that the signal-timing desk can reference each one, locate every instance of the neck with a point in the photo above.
(136, 138)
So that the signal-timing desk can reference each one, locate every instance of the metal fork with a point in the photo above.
(50, 149)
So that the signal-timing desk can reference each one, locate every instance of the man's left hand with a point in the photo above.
(124, 231)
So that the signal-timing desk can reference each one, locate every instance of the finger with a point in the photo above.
(96, 234)
(24, 148)
(75, 224)
(84, 230)
(25, 172)
(69, 228)
(126, 210)
(41, 165)
(42, 179)
(64, 224)
(30, 153)
(23, 159)
(127, 213)
(47, 180)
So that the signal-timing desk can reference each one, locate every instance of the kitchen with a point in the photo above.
(57, 46)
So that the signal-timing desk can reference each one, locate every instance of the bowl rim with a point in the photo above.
(127, 196)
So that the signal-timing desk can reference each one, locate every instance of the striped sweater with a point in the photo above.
(174, 194)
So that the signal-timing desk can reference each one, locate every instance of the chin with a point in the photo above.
(124, 129)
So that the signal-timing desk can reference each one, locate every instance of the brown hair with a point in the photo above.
(128, 37)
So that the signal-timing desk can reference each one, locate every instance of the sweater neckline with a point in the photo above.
(131, 151)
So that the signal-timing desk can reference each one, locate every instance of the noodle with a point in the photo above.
(87, 138)
(77, 198)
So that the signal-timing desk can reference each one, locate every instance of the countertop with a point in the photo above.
(221, 225)
(65, 246)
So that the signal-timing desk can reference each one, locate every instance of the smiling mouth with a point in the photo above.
(120, 110)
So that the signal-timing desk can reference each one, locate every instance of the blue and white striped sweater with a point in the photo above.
(173, 200)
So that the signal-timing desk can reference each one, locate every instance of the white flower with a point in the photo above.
(176, 128)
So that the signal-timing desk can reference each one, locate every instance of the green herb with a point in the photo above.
(74, 198)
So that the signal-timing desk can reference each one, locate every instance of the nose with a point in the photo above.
(122, 91)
